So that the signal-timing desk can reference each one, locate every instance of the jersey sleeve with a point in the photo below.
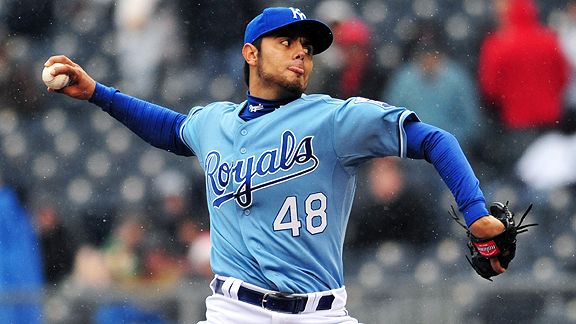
(365, 128)
(188, 131)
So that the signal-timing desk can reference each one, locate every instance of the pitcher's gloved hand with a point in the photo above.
(501, 246)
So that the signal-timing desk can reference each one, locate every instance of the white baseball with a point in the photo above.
(54, 81)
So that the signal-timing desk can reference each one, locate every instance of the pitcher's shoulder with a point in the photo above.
(218, 107)
(323, 98)
(224, 105)
(349, 102)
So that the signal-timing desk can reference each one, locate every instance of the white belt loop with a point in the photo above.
(312, 302)
(340, 298)
(236, 283)
(226, 287)
(230, 287)
(213, 284)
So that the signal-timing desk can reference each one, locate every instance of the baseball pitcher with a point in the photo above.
(280, 171)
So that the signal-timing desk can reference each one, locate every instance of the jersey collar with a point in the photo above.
(256, 107)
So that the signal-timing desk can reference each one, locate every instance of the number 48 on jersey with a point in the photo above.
(315, 208)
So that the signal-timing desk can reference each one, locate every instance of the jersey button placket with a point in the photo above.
(239, 144)
(243, 132)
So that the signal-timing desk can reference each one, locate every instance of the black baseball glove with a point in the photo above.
(502, 246)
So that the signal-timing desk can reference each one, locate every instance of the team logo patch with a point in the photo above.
(287, 157)
(255, 108)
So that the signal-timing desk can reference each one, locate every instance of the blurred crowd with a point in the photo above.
(105, 210)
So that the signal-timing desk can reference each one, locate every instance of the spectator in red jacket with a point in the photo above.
(523, 74)
(522, 69)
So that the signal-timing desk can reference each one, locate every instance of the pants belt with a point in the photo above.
(278, 302)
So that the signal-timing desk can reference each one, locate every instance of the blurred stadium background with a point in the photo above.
(132, 221)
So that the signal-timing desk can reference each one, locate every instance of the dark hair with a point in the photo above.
(258, 44)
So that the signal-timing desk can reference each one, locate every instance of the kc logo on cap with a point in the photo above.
(297, 13)
(275, 18)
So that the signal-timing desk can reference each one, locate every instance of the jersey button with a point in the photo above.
(244, 132)
(247, 212)
(243, 150)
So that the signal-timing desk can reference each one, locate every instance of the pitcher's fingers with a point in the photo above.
(496, 265)
(59, 59)
(64, 69)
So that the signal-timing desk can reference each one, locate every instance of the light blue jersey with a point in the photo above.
(280, 187)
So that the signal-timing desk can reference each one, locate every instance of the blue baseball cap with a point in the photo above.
(272, 19)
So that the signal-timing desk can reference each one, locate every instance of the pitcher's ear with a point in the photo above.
(250, 53)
